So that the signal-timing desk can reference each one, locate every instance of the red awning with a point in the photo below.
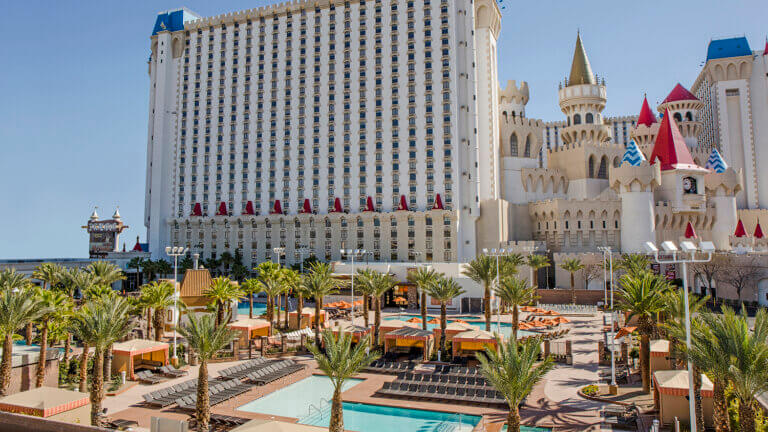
(222, 209)
(369, 205)
(307, 207)
(690, 233)
(337, 206)
(278, 209)
(438, 203)
(249, 208)
(403, 203)
(197, 210)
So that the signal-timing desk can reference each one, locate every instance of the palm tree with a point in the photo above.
(515, 292)
(49, 274)
(514, 368)
(572, 266)
(422, 277)
(444, 290)
(222, 292)
(291, 279)
(381, 283)
(633, 263)
(205, 337)
(318, 283)
(483, 271)
(365, 286)
(80, 280)
(105, 273)
(54, 304)
(100, 324)
(536, 262)
(269, 274)
(18, 307)
(643, 296)
(10, 279)
(341, 362)
(509, 264)
(158, 297)
(251, 287)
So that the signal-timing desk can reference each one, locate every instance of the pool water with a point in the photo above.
(506, 328)
(529, 429)
(258, 309)
(295, 399)
(375, 418)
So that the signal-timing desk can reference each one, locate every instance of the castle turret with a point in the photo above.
(582, 100)
(635, 181)
(644, 132)
(722, 185)
(684, 107)
(512, 100)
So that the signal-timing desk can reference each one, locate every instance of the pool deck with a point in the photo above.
(552, 403)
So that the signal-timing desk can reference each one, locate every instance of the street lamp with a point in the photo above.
(175, 252)
(279, 251)
(687, 255)
(607, 250)
(351, 253)
(497, 253)
(301, 251)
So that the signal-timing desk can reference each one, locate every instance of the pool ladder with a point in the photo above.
(323, 403)
(448, 425)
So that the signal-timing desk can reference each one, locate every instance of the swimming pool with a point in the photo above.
(295, 400)
(529, 429)
(375, 418)
(258, 309)
(506, 328)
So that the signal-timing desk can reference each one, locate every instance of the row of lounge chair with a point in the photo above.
(388, 367)
(172, 372)
(241, 370)
(218, 393)
(442, 392)
(274, 372)
(168, 396)
(445, 379)
(556, 334)
(148, 377)
(456, 370)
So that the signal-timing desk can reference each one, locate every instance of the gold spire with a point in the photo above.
(581, 71)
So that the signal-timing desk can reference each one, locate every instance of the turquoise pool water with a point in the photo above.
(506, 328)
(295, 400)
(375, 418)
(529, 429)
(258, 309)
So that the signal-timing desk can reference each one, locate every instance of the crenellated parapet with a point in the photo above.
(514, 94)
(520, 137)
(728, 183)
(628, 178)
(567, 224)
(644, 136)
(546, 180)
(581, 160)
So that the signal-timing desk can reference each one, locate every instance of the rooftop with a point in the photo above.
(730, 47)
(173, 20)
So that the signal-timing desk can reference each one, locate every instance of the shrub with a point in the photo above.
(590, 390)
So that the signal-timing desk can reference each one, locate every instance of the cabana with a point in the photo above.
(138, 353)
(469, 342)
(260, 425)
(307, 318)
(452, 329)
(670, 395)
(660, 358)
(50, 403)
(358, 332)
(407, 338)
(390, 325)
(250, 329)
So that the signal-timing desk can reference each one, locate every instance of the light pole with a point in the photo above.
(497, 253)
(175, 252)
(301, 251)
(352, 253)
(607, 250)
(687, 255)
(279, 251)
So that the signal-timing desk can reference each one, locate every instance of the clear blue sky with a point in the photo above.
(74, 89)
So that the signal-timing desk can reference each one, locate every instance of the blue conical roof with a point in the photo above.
(633, 155)
(716, 162)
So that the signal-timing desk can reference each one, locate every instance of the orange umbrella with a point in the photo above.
(460, 321)
(625, 331)
(527, 308)
(358, 302)
(332, 305)
(414, 320)
(343, 305)
(523, 326)
(550, 312)
(561, 320)
(538, 310)
(433, 321)
(536, 323)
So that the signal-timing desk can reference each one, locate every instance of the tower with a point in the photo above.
(684, 108)
(644, 132)
(722, 184)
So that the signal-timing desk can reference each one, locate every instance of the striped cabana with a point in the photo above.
(660, 358)
(469, 342)
(138, 353)
(358, 332)
(670, 395)
(307, 318)
(452, 329)
(409, 337)
(250, 329)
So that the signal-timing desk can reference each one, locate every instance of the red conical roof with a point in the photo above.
(369, 205)
(670, 146)
(197, 210)
(222, 209)
(758, 230)
(337, 206)
(137, 246)
(438, 203)
(307, 208)
(680, 93)
(690, 233)
(646, 116)
(403, 203)
(249, 208)
(765, 50)
(277, 209)
(740, 231)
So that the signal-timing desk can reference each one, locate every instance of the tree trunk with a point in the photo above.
(366, 319)
(108, 364)
(250, 305)
(28, 334)
(573, 289)
(67, 347)
(645, 362)
(486, 306)
(722, 422)
(318, 303)
(42, 357)
(97, 387)
(443, 339)
(220, 314)
(423, 309)
(376, 320)
(149, 323)
(286, 311)
(277, 314)
(515, 320)
(513, 419)
(746, 416)
(203, 401)
(535, 281)
(84, 369)
(270, 309)
(337, 412)
(697, 399)
(5, 365)
(299, 309)
(159, 323)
